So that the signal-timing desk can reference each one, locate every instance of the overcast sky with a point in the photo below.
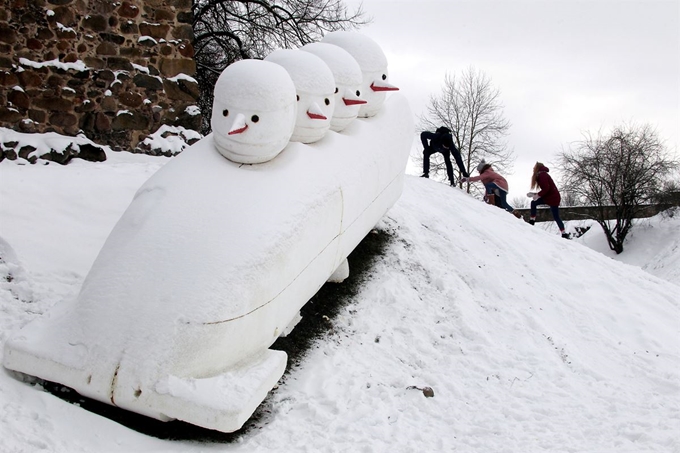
(562, 67)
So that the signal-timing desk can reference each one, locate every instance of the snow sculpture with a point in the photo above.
(209, 264)
(315, 86)
(373, 66)
(347, 74)
(253, 112)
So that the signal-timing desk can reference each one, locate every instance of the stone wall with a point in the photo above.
(114, 70)
(543, 213)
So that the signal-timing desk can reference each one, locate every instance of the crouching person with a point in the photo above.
(495, 184)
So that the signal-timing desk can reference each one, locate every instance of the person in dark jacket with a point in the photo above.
(441, 141)
(548, 194)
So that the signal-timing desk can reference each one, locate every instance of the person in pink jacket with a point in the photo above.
(494, 183)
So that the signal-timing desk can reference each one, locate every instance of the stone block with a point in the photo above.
(8, 79)
(119, 64)
(128, 10)
(39, 116)
(129, 28)
(171, 67)
(65, 16)
(95, 22)
(10, 115)
(44, 34)
(107, 48)
(31, 78)
(183, 31)
(181, 90)
(25, 151)
(7, 34)
(148, 82)
(20, 99)
(63, 119)
(156, 31)
(94, 62)
(91, 153)
(109, 104)
(113, 38)
(130, 121)
(34, 44)
(130, 99)
(66, 33)
(162, 14)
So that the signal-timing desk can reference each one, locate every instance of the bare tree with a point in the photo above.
(624, 169)
(470, 107)
(228, 31)
(570, 199)
(520, 202)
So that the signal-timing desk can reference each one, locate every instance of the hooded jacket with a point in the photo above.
(549, 193)
(489, 176)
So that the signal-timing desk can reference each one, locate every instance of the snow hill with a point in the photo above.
(529, 342)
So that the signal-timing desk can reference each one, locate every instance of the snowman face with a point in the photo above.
(314, 86)
(374, 87)
(373, 65)
(348, 101)
(314, 113)
(347, 75)
(254, 111)
(249, 135)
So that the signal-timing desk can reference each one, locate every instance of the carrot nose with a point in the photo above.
(383, 86)
(239, 125)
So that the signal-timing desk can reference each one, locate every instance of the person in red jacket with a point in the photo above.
(494, 183)
(548, 194)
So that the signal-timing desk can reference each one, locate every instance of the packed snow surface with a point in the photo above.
(208, 266)
(529, 342)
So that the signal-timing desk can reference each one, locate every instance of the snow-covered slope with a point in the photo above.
(529, 342)
(653, 244)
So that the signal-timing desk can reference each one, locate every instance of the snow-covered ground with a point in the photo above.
(530, 343)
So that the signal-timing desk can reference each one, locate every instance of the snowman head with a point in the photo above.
(315, 87)
(253, 112)
(348, 78)
(373, 66)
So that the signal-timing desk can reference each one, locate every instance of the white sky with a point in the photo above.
(562, 67)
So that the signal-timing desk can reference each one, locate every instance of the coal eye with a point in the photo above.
(358, 93)
(297, 96)
(254, 118)
(336, 90)
(225, 112)
(326, 101)
(384, 77)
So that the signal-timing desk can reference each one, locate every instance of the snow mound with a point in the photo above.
(529, 341)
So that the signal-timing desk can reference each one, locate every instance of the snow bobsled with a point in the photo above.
(208, 265)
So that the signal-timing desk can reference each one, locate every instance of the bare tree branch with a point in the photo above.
(470, 107)
(625, 169)
(228, 31)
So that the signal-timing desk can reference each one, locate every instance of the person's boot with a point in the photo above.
(532, 221)
(424, 175)
(516, 214)
(565, 235)
(491, 199)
